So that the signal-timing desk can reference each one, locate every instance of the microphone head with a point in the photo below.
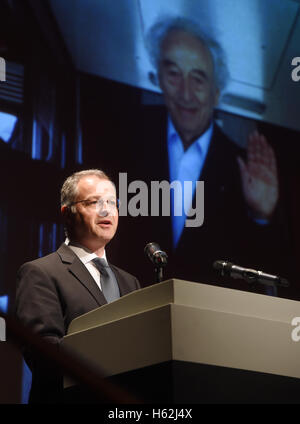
(222, 266)
(155, 254)
(151, 248)
(218, 265)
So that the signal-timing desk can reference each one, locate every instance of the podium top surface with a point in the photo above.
(191, 294)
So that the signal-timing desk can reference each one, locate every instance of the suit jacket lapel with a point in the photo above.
(77, 268)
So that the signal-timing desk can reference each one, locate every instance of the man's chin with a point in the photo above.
(105, 235)
(188, 126)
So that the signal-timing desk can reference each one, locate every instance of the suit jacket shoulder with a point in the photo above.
(51, 292)
(55, 289)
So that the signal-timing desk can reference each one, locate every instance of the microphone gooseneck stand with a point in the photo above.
(158, 257)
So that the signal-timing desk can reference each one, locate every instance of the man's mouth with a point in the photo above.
(188, 110)
(105, 222)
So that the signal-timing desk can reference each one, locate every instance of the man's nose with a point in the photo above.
(185, 88)
(107, 210)
(103, 212)
(104, 209)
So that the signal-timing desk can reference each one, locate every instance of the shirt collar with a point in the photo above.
(83, 253)
(203, 141)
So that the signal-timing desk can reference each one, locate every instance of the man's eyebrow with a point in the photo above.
(200, 73)
(168, 62)
(97, 197)
(91, 198)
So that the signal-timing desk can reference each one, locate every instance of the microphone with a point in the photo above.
(248, 274)
(157, 256)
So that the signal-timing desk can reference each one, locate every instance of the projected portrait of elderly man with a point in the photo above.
(240, 186)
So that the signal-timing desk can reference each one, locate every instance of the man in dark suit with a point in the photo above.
(55, 289)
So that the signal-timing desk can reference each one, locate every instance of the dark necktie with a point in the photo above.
(109, 284)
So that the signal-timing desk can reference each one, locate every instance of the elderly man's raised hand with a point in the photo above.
(259, 177)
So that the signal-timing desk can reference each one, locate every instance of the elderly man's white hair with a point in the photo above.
(159, 31)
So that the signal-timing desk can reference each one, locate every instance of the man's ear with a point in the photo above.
(66, 213)
(67, 218)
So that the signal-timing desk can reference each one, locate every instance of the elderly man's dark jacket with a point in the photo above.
(229, 231)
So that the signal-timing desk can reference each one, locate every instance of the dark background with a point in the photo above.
(76, 121)
(91, 120)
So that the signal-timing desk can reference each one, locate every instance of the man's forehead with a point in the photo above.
(179, 39)
(92, 184)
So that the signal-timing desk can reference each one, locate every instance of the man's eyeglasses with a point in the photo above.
(112, 204)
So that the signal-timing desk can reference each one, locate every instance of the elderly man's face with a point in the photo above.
(186, 79)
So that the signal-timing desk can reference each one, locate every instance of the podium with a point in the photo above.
(185, 342)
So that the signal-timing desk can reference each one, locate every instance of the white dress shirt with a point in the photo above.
(86, 257)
